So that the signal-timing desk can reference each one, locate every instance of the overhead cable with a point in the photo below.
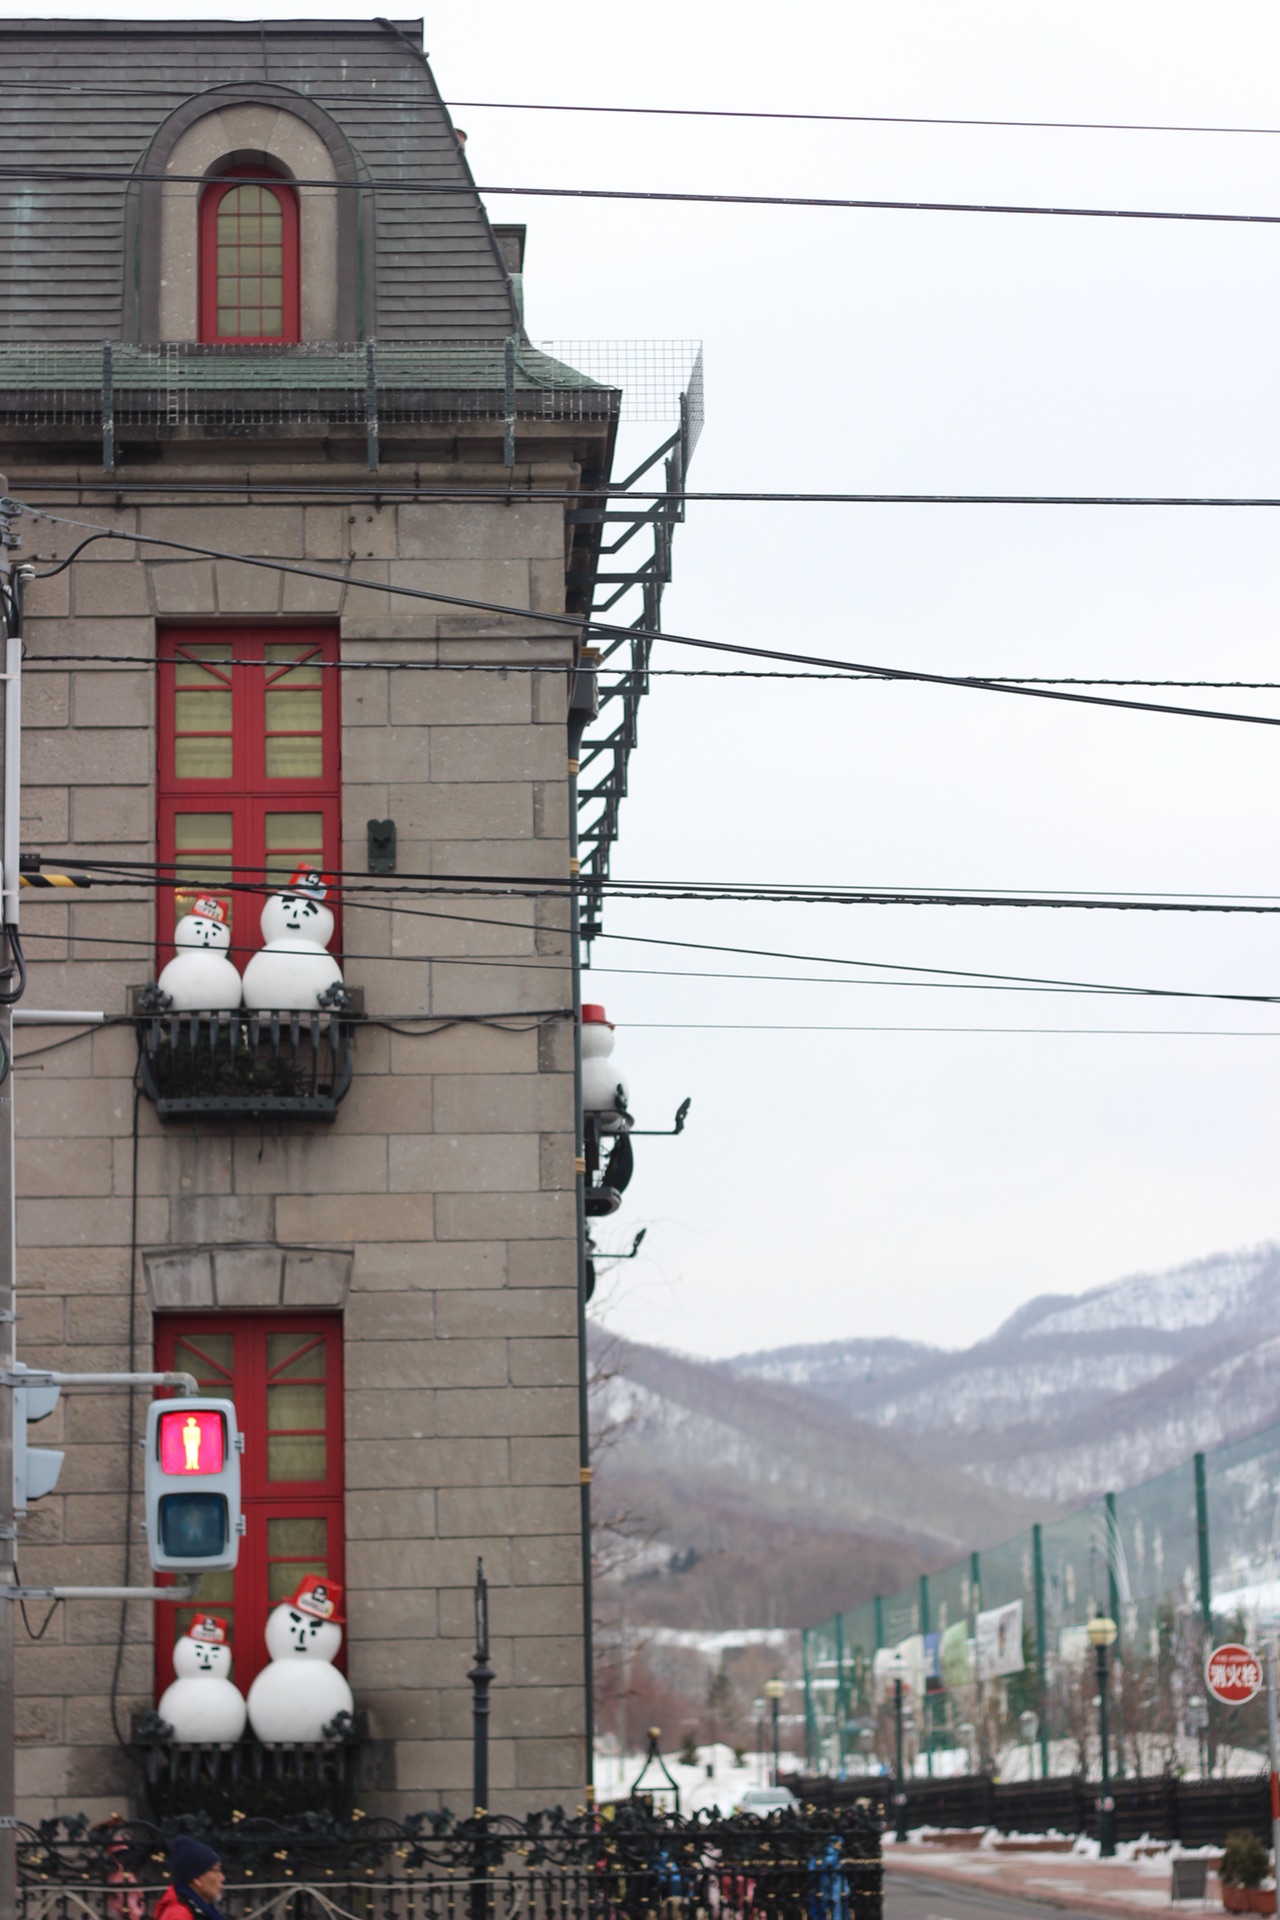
(585, 622)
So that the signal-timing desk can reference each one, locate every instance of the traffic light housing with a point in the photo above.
(193, 1449)
(35, 1469)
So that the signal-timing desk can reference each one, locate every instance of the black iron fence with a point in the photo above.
(1196, 1813)
(623, 1863)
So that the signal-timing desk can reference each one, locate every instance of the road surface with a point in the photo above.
(906, 1898)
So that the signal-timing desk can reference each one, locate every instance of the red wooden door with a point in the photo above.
(284, 1373)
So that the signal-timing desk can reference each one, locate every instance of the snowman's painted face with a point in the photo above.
(191, 1658)
(193, 930)
(297, 913)
(293, 1635)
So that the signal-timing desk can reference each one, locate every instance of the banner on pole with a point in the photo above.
(999, 1640)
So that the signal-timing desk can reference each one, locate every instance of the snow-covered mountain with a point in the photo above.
(1072, 1395)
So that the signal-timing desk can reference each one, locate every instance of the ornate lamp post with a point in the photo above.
(757, 1710)
(1102, 1632)
(775, 1690)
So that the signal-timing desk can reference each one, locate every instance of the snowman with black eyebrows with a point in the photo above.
(301, 1692)
(201, 1704)
(293, 970)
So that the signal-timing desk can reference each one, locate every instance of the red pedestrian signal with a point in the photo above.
(193, 1442)
(192, 1488)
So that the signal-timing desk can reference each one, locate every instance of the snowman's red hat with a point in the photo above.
(210, 1628)
(308, 880)
(594, 1015)
(322, 1599)
(207, 905)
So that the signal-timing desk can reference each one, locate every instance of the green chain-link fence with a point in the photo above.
(1188, 1557)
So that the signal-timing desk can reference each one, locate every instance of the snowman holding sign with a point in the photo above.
(301, 1692)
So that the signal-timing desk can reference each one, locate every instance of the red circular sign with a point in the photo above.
(1233, 1674)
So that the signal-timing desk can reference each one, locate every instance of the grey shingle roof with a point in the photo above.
(92, 93)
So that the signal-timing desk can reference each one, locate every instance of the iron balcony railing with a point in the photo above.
(245, 1065)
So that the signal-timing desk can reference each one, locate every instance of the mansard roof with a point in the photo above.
(92, 96)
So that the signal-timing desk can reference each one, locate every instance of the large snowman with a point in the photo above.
(301, 1692)
(604, 1091)
(202, 1704)
(293, 969)
(200, 978)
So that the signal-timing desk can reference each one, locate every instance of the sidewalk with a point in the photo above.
(1075, 1881)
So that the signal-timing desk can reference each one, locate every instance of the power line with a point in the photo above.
(1163, 1033)
(125, 662)
(365, 99)
(820, 202)
(586, 623)
(608, 495)
(359, 891)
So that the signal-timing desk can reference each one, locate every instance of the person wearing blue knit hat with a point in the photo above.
(196, 1882)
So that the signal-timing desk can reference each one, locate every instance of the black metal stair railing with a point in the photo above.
(244, 1064)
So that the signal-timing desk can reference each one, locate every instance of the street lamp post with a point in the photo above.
(1102, 1632)
(899, 1782)
(775, 1690)
(757, 1708)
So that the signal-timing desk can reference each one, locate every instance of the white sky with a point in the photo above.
(835, 1184)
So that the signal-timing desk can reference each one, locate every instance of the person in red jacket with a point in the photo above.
(196, 1882)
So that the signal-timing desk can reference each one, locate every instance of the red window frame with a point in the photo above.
(211, 198)
(248, 794)
(262, 1500)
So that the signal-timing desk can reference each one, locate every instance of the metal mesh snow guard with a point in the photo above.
(186, 383)
(652, 374)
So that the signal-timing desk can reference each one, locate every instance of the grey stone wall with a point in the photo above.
(437, 1212)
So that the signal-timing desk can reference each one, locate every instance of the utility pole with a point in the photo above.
(10, 792)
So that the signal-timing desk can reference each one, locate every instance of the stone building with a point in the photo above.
(253, 304)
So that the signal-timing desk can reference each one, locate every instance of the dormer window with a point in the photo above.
(249, 282)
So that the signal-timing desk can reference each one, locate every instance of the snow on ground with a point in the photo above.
(716, 1781)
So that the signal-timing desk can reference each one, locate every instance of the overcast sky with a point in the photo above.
(833, 1184)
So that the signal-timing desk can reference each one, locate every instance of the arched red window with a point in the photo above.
(248, 259)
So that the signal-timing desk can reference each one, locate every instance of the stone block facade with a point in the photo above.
(436, 1216)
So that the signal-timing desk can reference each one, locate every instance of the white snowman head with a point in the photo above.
(308, 1627)
(203, 1649)
(205, 927)
(300, 912)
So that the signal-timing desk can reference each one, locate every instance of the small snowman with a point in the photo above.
(293, 970)
(200, 978)
(202, 1704)
(301, 1692)
(604, 1091)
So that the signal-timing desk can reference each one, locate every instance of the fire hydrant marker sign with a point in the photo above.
(1233, 1674)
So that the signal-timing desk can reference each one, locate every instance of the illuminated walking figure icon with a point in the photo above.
(191, 1443)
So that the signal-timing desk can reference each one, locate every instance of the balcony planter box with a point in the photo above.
(243, 1065)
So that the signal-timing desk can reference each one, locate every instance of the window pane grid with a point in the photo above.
(250, 264)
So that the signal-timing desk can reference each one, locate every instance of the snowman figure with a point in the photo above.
(200, 977)
(293, 970)
(604, 1091)
(202, 1704)
(296, 1697)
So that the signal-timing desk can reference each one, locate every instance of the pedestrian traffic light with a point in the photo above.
(35, 1469)
(193, 1485)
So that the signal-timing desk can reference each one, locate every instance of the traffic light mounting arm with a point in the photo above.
(41, 1377)
(186, 1383)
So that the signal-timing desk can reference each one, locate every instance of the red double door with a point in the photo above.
(284, 1373)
